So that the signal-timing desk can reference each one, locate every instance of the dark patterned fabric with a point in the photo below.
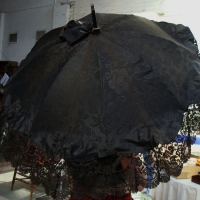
(109, 197)
(75, 113)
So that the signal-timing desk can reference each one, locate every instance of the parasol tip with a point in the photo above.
(92, 6)
(96, 29)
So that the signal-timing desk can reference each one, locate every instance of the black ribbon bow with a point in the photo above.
(75, 30)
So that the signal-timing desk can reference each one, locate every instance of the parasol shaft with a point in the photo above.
(93, 16)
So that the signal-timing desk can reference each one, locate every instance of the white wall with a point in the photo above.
(23, 24)
(60, 15)
(174, 11)
(15, 5)
(26, 17)
(2, 15)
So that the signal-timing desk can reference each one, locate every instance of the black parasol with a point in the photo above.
(88, 96)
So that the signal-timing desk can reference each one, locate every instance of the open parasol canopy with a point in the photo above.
(88, 96)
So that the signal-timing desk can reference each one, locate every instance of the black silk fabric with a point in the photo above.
(120, 92)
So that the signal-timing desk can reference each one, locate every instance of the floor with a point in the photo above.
(20, 190)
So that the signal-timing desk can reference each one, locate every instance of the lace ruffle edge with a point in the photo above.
(102, 176)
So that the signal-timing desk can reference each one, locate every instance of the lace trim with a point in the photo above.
(100, 177)
(114, 175)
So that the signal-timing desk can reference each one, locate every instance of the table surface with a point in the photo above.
(176, 189)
